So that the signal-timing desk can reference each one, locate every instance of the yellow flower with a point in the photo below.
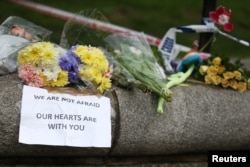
(228, 75)
(237, 75)
(101, 63)
(208, 79)
(48, 57)
(224, 83)
(81, 50)
(85, 72)
(242, 86)
(212, 70)
(105, 85)
(97, 76)
(87, 58)
(216, 80)
(37, 53)
(22, 58)
(233, 84)
(61, 81)
(217, 61)
(221, 69)
(203, 69)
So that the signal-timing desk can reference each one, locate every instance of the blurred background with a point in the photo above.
(153, 17)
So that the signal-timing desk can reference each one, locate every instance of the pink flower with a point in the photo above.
(28, 75)
(18, 31)
(26, 72)
(222, 17)
(36, 81)
(108, 74)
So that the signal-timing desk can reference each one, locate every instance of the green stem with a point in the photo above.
(172, 83)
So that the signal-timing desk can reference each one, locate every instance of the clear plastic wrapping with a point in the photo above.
(130, 54)
(16, 33)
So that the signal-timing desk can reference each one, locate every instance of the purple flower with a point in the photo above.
(70, 62)
(65, 62)
(73, 77)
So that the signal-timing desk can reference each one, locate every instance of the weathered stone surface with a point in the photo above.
(200, 118)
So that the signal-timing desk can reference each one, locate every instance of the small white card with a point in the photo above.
(64, 120)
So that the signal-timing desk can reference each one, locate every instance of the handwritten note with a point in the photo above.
(64, 120)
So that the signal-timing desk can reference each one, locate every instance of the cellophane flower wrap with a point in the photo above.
(130, 54)
(135, 62)
(15, 34)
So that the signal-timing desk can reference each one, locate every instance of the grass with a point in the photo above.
(152, 17)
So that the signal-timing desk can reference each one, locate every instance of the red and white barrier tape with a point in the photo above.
(92, 23)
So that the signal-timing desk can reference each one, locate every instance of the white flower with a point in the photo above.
(51, 72)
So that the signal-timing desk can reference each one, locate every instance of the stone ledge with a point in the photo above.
(200, 118)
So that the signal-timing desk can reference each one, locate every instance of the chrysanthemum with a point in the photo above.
(48, 57)
(105, 85)
(36, 81)
(52, 71)
(61, 81)
(101, 63)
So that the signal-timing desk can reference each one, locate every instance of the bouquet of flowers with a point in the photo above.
(132, 58)
(134, 62)
(87, 64)
(38, 65)
(44, 64)
(218, 71)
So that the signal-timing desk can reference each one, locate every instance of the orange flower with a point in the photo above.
(242, 86)
(224, 83)
(217, 61)
(237, 75)
(212, 70)
(228, 75)
(233, 84)
(216, 80)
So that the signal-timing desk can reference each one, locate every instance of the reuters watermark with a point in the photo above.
(229, 158)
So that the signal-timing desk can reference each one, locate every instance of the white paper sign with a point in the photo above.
(64, 120)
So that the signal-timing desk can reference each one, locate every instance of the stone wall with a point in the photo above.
(200, 118)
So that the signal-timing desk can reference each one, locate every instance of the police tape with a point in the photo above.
(92, 23)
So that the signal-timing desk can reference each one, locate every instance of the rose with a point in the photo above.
(228, 75)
